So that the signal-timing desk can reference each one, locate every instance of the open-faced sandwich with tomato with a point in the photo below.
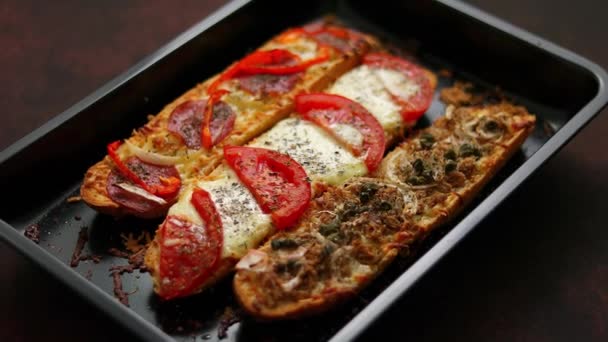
(351, 232)
(144, 174)
(267, 184)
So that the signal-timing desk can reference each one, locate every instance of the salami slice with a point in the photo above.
(138, 201)
(186, 121)
(344, 40)
(266, 84)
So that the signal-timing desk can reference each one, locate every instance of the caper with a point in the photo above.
(336, 237)
(491, 126)
(450, 166)
(385, 206)
(352, 209)
(367, 191)
(418, 166)
(427, 174)
(290, 266)
(281, 243)
(450, 154)
(467, 150)
(330, 227)
(427, 140)
(416, 180)
(327, 250)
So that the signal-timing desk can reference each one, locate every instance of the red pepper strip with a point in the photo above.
(225, 76)
(169, 186)
(206, 137)
(291, 34)
(112, 147)
(278, 62)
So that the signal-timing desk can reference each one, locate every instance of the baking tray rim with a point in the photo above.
(148, 331)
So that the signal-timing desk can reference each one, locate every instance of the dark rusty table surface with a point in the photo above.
(536, 270)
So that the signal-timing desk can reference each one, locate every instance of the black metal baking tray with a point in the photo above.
(44, 168)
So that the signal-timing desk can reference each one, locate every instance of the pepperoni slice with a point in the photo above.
(186, 120)
(140, 205)
(222, 122)
(189, 253)
(339, 116)
(267, 84)
(344, 40)
(278, 183)
(414, 105)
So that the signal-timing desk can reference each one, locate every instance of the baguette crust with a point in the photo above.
(93, 189)
(253, 118)
(435, 204)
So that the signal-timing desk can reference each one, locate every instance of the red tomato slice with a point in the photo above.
(189, 253)
(413, 107)
(328, 111)
(278, 183)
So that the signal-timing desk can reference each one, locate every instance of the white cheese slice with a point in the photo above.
(244, 224)
(320, 155)
(348, 133)
(365, 86)
(397, 83)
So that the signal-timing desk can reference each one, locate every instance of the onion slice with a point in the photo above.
(291, 284)
(151, 157)
(141, 192)
(252, 259)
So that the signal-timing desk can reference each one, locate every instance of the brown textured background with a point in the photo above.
(536, 270)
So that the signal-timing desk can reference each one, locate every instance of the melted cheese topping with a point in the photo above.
(366, 86)
(396, 83)
(244, 224)
(320, 155)
(348, 133)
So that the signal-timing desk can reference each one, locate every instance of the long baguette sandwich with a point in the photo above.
(144, 175)
(352, 232)
(267, 184)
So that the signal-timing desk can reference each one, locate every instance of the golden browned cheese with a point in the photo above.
(351, 233)
(254, 115)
